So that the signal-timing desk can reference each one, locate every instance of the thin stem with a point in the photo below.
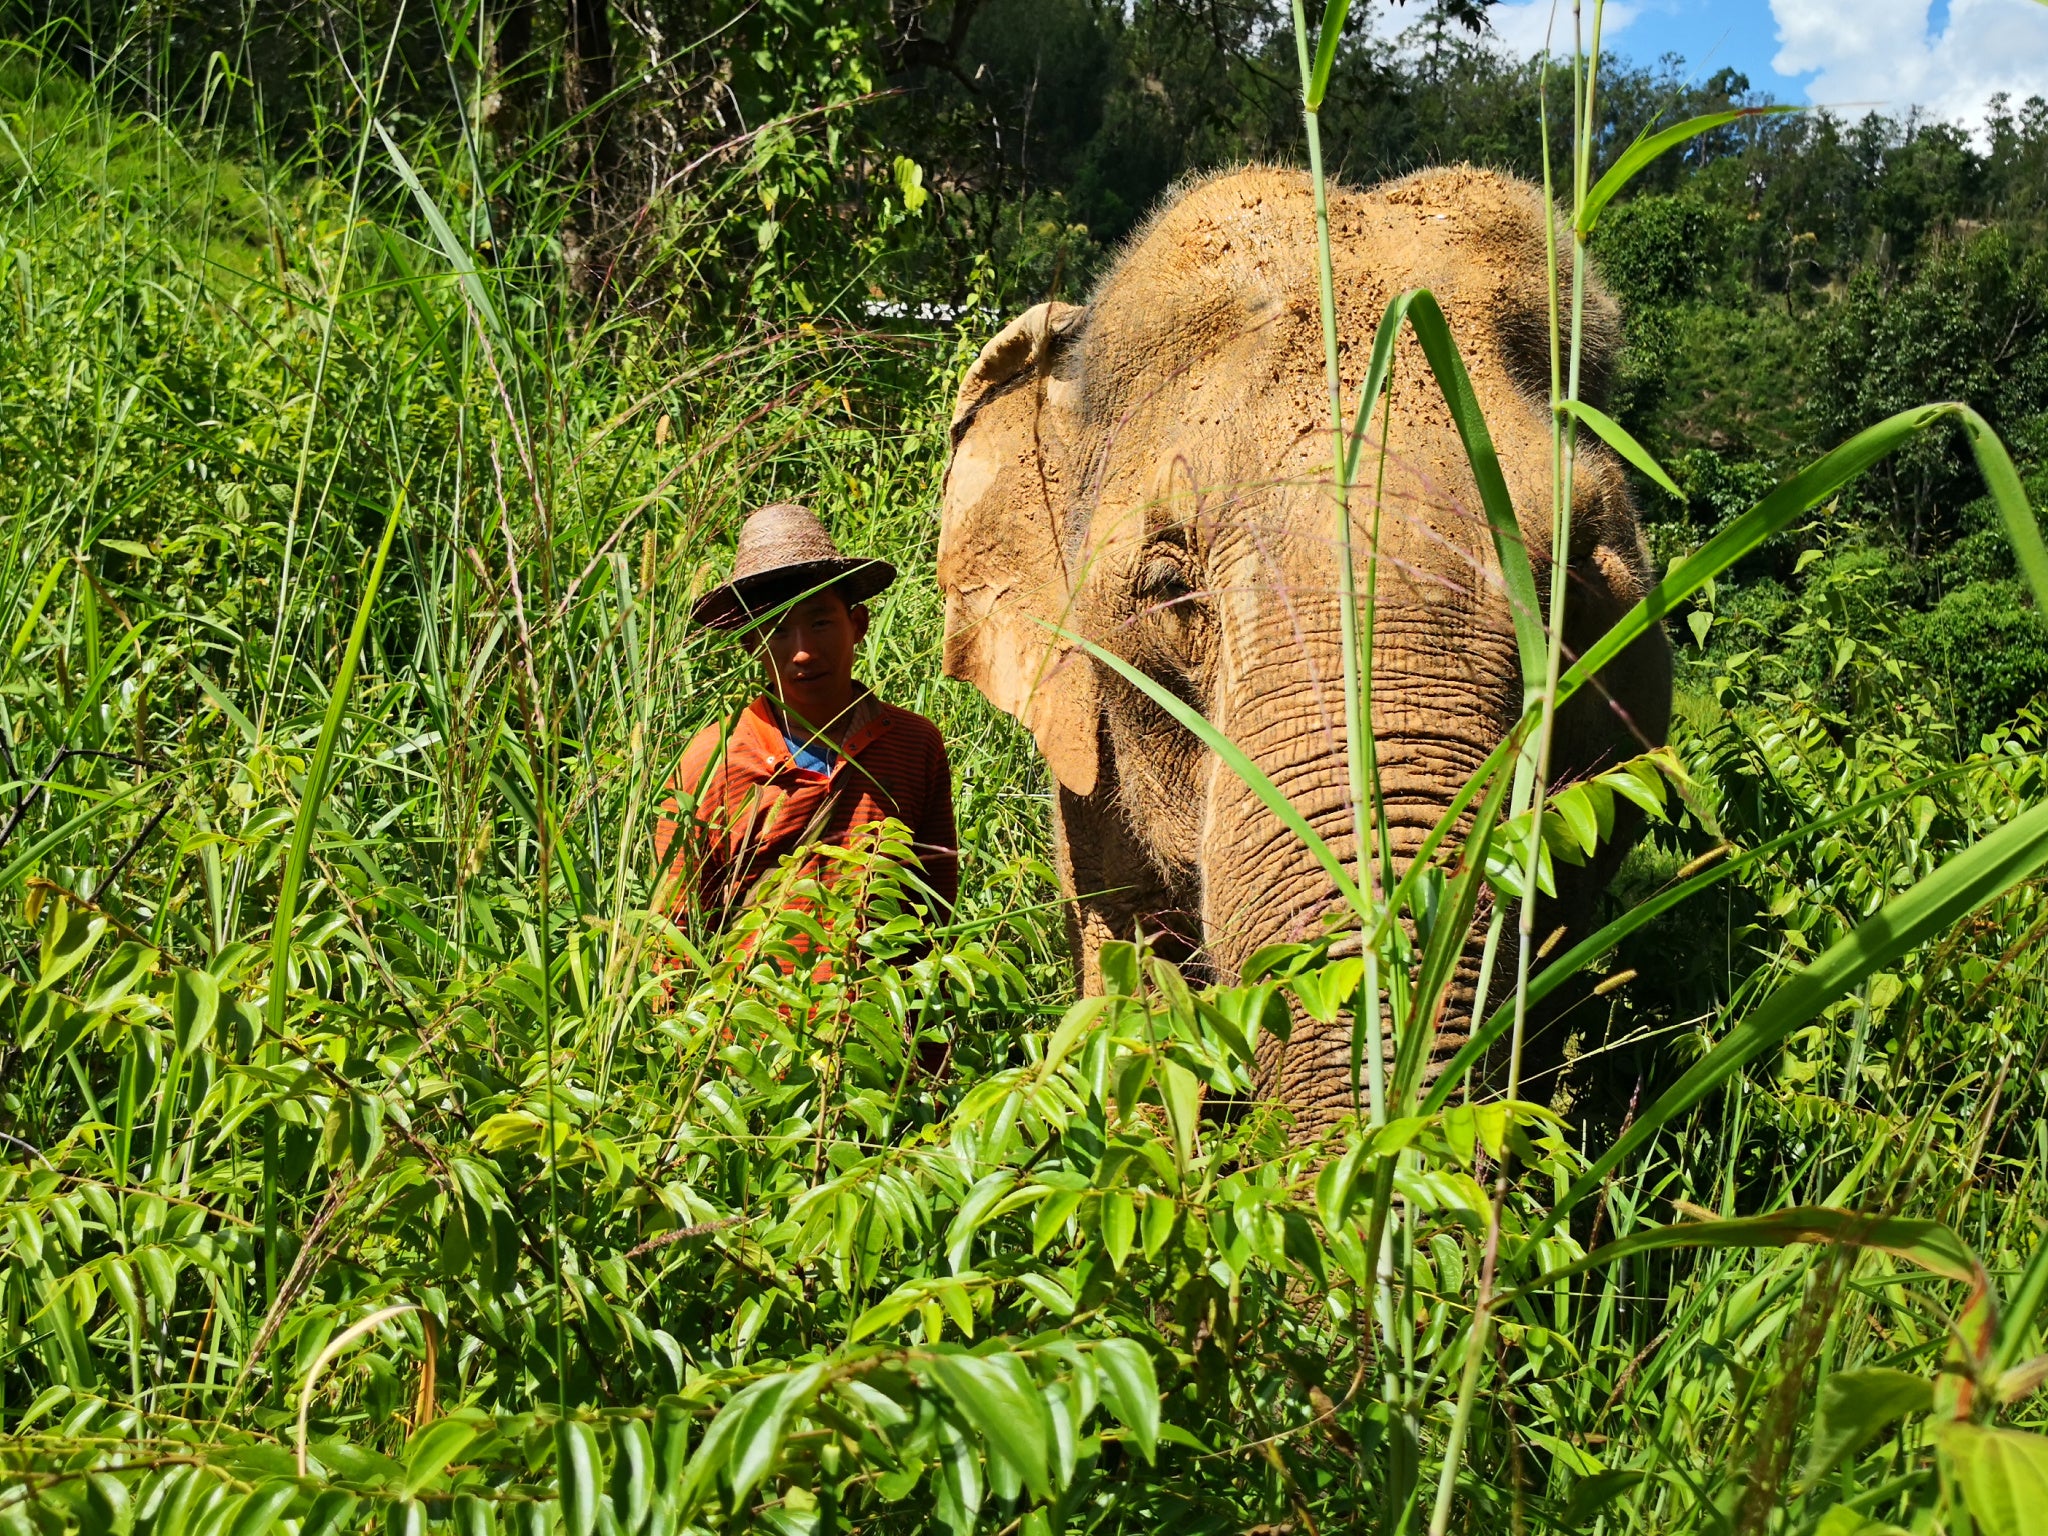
(1356, 724)
(1563, 440)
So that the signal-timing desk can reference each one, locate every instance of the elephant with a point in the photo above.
(1153, 472)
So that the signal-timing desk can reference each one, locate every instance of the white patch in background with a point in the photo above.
(1516, 27)
(1883, 56)
(1519, 26)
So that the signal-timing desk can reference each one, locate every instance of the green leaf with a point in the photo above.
(259, 1513)
(998, 1399)
(1927, 1244)
(1591, 948)
(1053, 1296)
(2004, 1473)
(1156, 1224)
(1337, 1185)
(68, 939)
(1854, 1406)
(959, 1483)
(1573, 807)
(1595, 1493)
(1847, 1520)
(1074, 1023)
(959, 1306)
(743, 1441)
(1053, 1210)
(430, 1451)
(107, 1510)
(1616, 436)
(1980, 873)
(973, 1211)
(1226, 1030)
(579, 1468)
(1119, 1225)
(1181, 1093)
(330, 1513)
(1131, 1389)
(910, 183)
(195, 1002)
(1117, 960)
(1649, 147)
(632, 1473)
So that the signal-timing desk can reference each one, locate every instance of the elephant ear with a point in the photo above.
(1002, 564)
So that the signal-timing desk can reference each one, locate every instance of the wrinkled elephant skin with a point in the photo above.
(1152, 471)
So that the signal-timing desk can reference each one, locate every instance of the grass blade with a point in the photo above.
(316, 785)
(1927, 1245)
(1419, 307)
(457, 253)
(1446, 942)
(1649, 147)
(1617, 437)
(1328, 35)
(2003, 481)
(1773, 514)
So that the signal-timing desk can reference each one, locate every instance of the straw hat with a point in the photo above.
(784, 552)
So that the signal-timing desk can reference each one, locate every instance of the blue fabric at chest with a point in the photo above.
(815, 756)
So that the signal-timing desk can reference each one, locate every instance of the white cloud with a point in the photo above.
(1522, 25)
(1518, 27)
(1880, 55)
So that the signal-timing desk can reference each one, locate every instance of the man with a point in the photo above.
(815, 756)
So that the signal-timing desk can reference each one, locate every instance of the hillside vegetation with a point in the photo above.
(372, 1158)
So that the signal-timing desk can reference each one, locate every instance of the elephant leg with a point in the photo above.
(1113, 887)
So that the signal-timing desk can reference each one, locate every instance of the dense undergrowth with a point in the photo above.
(374, 1159)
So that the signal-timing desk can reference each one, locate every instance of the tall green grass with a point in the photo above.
(375, 1159)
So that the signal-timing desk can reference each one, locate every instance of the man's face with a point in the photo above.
(810, 655)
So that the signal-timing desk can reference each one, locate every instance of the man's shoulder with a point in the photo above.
(909, 724)
(723, 743)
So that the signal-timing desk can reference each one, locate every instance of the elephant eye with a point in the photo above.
(1163, 580)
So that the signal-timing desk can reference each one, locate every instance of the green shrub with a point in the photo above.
(1970, 324)
(1987, 645)
(1661, 250)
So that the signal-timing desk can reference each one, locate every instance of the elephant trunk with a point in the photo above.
(1262, 885)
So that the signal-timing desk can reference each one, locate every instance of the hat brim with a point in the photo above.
(740, 604)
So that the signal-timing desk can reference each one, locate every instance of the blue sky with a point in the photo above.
(1945, 57)
(1741, 33)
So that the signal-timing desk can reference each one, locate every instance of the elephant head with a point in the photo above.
(1153, 472)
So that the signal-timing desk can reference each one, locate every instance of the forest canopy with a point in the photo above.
(1787, 278)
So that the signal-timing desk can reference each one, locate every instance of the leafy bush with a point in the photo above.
(1971, 324)
(1662, 250)
(1988, 646)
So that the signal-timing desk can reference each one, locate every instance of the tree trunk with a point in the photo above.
(586, 89)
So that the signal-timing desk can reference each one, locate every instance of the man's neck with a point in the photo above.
(820, 719)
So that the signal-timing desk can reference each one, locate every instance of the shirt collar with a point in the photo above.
(761, 726)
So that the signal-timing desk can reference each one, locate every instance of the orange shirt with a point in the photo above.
(753, 803)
